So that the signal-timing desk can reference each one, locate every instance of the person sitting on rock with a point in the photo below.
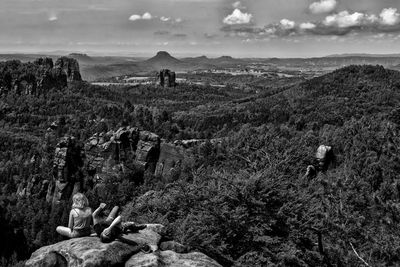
(80, 218)
(112, 228)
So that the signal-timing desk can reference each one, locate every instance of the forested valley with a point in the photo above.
(245, 200)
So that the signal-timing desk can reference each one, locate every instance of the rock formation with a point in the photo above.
(70, 67)
(113, 152)
(169, 75)
(324, 156)
(38, 77)
(67, 170)
(110, 155)
(136, 249)
(169, 162)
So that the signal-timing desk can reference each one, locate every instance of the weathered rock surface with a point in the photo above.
(138, 249)
(170, 258)
(84, 251)
(150, 236)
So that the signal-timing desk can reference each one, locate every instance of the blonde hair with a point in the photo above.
(79, 201)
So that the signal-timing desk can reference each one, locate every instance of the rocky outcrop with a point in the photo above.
(127, 149)
(70, 67)
(136, 249)
(169, 75)
(85, 251)
(38, 77)
(170, 161)
(112, 154)
(67, 169)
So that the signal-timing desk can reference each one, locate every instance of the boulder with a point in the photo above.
(84, 251)
(171, 259)
(150, 236)
(324, 157)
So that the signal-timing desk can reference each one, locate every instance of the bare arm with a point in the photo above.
(71, 221)
(115, 222)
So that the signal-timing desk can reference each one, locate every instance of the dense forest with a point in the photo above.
(244, 201)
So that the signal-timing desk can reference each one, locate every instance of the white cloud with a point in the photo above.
(307, 26)
(135, 17)
(238, 17)
(178, 20)
(344, 19)
(287, 24)
(323, 6)
(165, 19)
(389, 16)
(53, 18)
(145, 16)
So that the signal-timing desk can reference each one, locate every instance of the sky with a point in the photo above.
(245, 28)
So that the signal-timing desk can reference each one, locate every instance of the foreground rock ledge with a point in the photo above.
(89, 251)
(171, 259)
(84, 251)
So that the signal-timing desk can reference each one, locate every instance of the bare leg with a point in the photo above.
(65, 231)
(112, 214)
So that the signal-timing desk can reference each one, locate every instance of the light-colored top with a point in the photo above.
(80, 219)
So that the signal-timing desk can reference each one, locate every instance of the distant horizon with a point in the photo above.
(181, 55)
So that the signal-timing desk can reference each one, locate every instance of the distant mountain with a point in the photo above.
(163, 60)
(363, 55)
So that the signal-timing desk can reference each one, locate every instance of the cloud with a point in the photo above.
(135, 17)
(338, 24)
(287, 24)
(238, 17)
(345, 19)
(145, 16)
(389, 16)
(165, 19)
(307, 26)
(323, 6)
(53, 18)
